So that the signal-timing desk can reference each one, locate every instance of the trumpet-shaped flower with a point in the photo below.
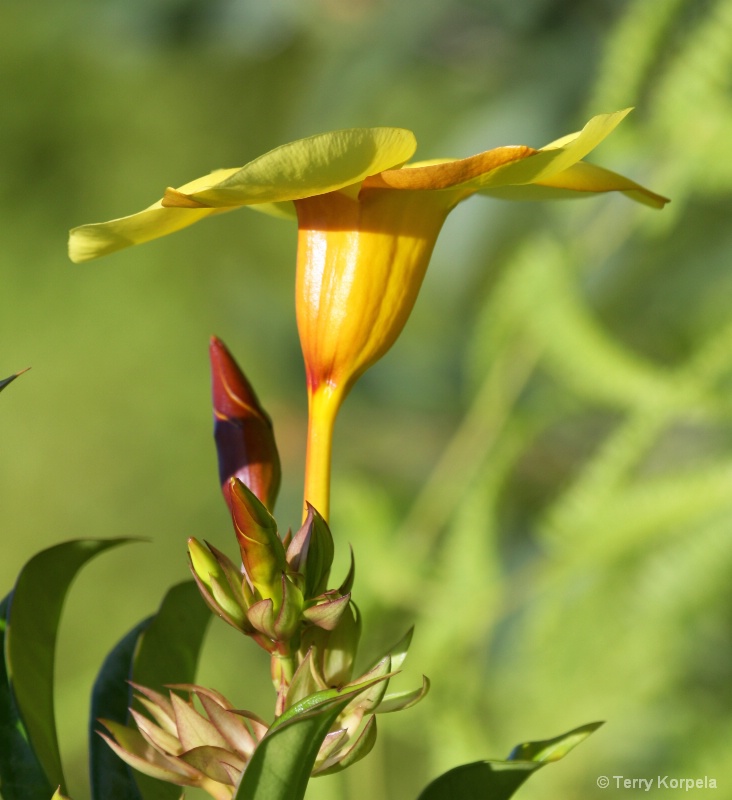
(368, 222)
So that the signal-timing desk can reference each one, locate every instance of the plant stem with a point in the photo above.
(323, 404)
(283, 668)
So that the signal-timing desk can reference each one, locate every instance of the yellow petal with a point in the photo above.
(307, 167)
(447, 173)
(285, 210)
(555, 157)
(98, 239)
(580, 180)
(502, 166)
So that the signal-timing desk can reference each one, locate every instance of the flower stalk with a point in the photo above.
(324, 403)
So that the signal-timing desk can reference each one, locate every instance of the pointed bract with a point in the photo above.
(310, 553)
(262, 552)
(327, 614)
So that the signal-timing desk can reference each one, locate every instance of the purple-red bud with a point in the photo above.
(242, 429)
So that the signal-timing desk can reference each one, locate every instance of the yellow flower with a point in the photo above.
(368, 222)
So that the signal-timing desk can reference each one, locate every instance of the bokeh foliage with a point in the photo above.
(539, 474)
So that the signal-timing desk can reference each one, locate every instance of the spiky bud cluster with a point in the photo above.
(279, 596)
(203, 741)
(206, 746)
(282, 585)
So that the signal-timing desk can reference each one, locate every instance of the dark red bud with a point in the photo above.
(242, 429)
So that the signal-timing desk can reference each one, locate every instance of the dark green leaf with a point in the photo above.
(171, 645)
(31, 633)
(21, 776)
(111, 778)
(482, 780)
(5, 381)
(499, 780)
(168, 654)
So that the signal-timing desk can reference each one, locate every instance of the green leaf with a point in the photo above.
(30, 645)
(168, 654)
(5, 381)
(553, 749)
(21, 776)
(499, 780)
(111, 778)
(171, 645)
(280, 766)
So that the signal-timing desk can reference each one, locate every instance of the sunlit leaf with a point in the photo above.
(553, 749)
(281, 765)
(499, 780)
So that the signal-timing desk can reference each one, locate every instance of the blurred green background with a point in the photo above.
(539, 475)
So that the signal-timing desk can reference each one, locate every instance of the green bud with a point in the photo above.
(279, 623)
(203, 564)
(338, 652)
(220, 584)
(327, 613)
(310, 553)
(262, 551)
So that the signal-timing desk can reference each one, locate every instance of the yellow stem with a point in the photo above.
(323, 405)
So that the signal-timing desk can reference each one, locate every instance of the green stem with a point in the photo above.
(283, 666)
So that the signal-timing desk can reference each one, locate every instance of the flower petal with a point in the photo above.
(503, 166)
(101, 238)
(447, 173)
(316, 165)
(579, 180)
